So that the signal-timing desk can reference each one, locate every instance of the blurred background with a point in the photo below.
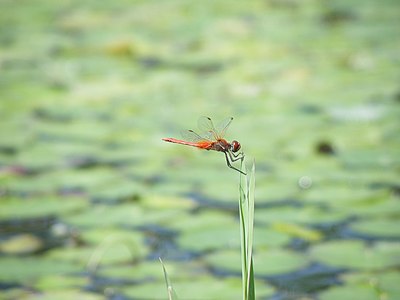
(90, 197)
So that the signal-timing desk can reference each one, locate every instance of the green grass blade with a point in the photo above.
(243, 236)
(250, 233)
(246, 214)
(243, 248)
(251, 285)
(171, 292)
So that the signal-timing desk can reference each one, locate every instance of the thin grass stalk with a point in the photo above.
(243, 251)
(170, 290)
(246, 214)
(243, 236)
(250, 233)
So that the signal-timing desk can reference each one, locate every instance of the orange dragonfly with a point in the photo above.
(212, 138)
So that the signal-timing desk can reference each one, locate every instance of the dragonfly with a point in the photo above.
(212, 138)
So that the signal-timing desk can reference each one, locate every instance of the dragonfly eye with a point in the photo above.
(235, 146)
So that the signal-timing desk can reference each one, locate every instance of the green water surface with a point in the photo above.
(90, 196)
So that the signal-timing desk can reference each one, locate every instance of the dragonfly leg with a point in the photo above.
(229, 163)
(235, 157)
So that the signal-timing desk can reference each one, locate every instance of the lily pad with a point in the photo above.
(298, 231)
(84, 179)
(342, 196)
(61, 282)
(104, 215)
(15, 293)
(384, 228)
(92, 257)
(147, 270)
(210, 230)
(226, 260)
(306, 215)
(371, 158)
(265, 237)
(386, 207)
(21, 244)
(356, 255)
(112, 235)
(111, 239)
(28, 269)
(350, 293)
(13, 142)
(124, 190)
(167, 202)
(388, 282)
(66, 295)
(214, 188)
(204, 220)
(276, 261)
(38, 207)
(39, 157)
(273, 190)
(385, 284)
(266, 262)
(210, 238)
(61, 180)
(77, 130)
(196, 288)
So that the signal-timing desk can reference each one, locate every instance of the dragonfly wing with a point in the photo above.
(191, 136)
(212, 132)
(207, 128)
(223, 126)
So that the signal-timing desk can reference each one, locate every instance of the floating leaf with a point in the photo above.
(305, 215)
(21, 244)
(203, 220)
(67, 294)
(105, 216)
(266, 237)
(277, 261)
(385, 228)
(196, 288)
(355, 254)
(209, 239)
(26, 269)
(61, 282)
(40, 207)
(165, 202)
(384, 284)
(349, 293)
(95, 256)
(266, 262)
(150, 270)
(298, 231)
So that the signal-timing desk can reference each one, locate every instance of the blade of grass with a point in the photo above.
(250, 233)
(243, 250)
(246, 214)
(171, 292)
(243, 238)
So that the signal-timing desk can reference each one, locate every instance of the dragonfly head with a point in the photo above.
(235, 146)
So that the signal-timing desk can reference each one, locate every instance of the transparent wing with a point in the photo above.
(223, 126)
(191, 136)
(207, 128)
(212, 132)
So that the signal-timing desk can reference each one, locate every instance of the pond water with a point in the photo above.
(91, 197)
